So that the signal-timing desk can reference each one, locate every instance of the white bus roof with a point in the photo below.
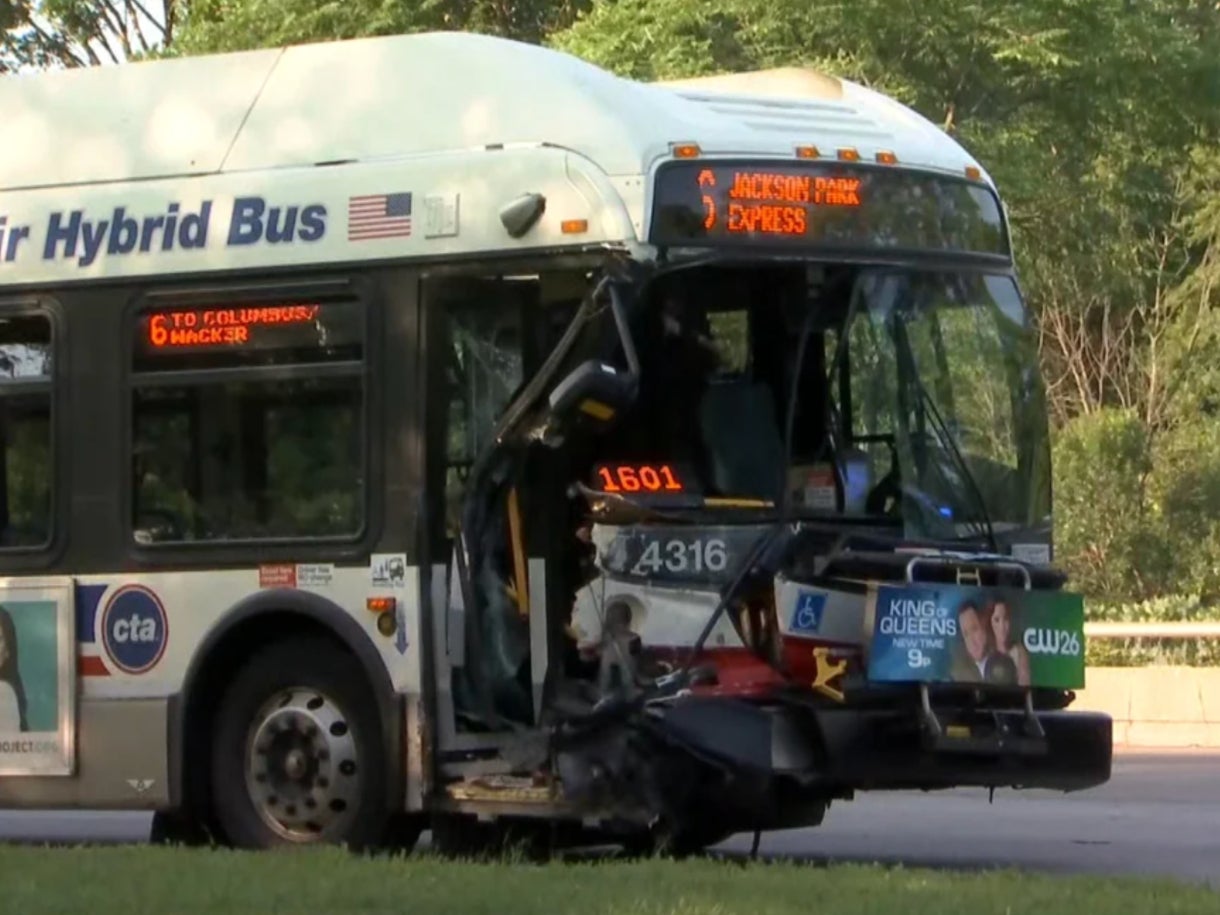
(419, 94)
(407, 146)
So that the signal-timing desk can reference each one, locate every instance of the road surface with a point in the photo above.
(1157, 816)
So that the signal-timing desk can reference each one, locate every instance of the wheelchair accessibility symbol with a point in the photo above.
(807, 617)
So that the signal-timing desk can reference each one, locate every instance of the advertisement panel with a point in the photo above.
(37, 704)
(955, 634)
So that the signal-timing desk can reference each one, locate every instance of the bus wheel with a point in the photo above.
(297, 755)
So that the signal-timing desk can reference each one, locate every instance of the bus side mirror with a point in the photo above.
(593, 392)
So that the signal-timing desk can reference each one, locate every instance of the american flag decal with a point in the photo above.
(374, 216)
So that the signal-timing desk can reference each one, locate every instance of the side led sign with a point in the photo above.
(219, 327)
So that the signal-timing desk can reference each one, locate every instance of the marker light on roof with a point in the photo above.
(885, 157)
(686, 150)
(849, 154)
(574, 226)
(807, 152)
(973, 172)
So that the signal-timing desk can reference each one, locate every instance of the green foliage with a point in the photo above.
(234, 25)
(1101, 463)
(1138, 518)
(78, 33)
(1152, 652)
(1144, 651)
(213, 26)
(73, 33)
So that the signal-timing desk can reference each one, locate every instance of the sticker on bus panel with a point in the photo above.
(1001, 636)
(388, 570)
(315, 575)
(135, 629)
(277, 575)
(807, 614)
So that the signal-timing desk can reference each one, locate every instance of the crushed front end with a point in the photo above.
(836, 665)
(810, 548)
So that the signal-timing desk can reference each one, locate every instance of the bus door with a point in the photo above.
(38, 677)
(485, 337)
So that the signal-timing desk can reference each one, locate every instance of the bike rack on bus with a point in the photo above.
(1033, 740)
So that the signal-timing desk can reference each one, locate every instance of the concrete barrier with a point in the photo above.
(1156, 707)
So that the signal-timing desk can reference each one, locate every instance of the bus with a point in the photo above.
(436, 432)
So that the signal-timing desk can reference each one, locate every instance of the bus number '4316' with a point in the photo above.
(677, 556)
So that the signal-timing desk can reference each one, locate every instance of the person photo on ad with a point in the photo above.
(12, 691)
(1008, 642)
(983, 663)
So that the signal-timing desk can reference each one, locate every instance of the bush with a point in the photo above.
(1149, 652)
(1138, 518)
(1104, 538)
(1142, 652)
(1184, 496)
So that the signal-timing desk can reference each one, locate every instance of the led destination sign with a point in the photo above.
(208, 327)
(775, 204)
(219, 335)
(823, 204)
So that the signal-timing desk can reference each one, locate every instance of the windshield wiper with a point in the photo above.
(947, 439)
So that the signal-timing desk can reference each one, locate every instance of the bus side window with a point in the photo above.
(249, 422)
(26, 463)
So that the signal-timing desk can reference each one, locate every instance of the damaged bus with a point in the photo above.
(541, 452)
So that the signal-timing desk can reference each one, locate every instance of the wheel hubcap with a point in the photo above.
(302, 770)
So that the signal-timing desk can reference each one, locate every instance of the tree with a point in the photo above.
(76, 33)
(79, 33)
(231, 25)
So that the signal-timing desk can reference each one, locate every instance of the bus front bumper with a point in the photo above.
(844, 749)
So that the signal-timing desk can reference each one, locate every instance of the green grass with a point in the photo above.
(166, 881)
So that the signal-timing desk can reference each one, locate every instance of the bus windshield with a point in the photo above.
(944, 388)
(911, 398)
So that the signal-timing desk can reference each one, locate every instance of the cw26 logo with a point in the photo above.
(1052, 642)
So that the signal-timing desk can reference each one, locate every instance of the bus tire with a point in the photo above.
(298, 756)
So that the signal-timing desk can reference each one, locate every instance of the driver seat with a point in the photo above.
(745, 450)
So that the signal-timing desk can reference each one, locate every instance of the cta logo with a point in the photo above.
(1052, 641)
(135, 629)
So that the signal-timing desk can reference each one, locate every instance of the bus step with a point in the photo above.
(509, 788)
